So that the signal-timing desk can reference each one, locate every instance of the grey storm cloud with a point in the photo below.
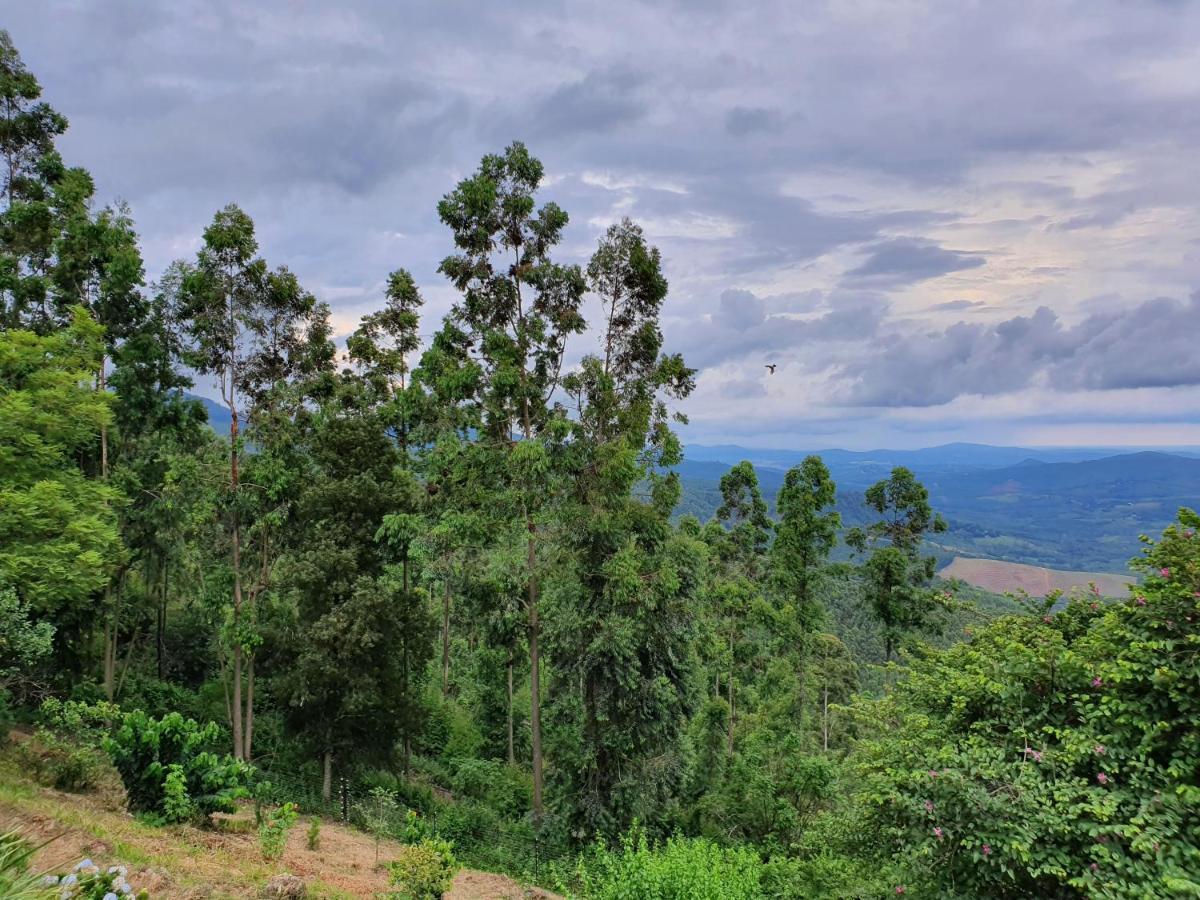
(1150, 345)
(901, 261)
(338, 128)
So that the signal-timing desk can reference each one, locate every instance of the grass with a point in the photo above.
(220, 863)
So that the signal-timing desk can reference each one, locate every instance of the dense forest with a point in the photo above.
(438, 586)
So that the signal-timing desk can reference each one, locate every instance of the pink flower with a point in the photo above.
(1099, 749)
(1036, 755)
(1164, 572)
(1095, 867)
(1047, 619)
(933, 773)
(1097, 682)
(1140, 600)
(928, 806)
(987, 850)
(1102, 777)
(937, 833)
(899, 889)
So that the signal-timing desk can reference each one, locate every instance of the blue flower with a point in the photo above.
(110, 896)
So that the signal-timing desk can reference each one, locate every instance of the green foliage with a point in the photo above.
(16, 881)
(23, 642)
(680, 869)
(274, 830)
(170, 772)
(1053, 753)
(58, 531)
(422, 871)
(312, 837)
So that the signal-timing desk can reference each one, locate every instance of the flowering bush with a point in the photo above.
(1053, 754)
(168, 771)
(87, 882)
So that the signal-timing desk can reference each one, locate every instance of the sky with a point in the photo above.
(942, 221)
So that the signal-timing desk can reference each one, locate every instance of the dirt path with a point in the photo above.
(185, 863)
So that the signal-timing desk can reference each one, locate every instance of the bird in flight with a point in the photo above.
(772, 366)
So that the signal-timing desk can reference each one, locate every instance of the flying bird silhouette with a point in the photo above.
(772, 366)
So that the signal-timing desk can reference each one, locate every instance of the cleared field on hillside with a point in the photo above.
(1002, 577)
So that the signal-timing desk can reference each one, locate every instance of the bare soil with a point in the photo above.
(207, 864)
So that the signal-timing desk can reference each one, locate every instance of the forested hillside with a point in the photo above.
(444, 590)
(1066, 509)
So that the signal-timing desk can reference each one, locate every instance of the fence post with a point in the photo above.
(345, 802)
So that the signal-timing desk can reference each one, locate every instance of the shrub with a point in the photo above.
(504, 788)
(87, 724)
(680, 869)
(1053, 754)
(66, 754)
(422, 871)
(169, 773)
(314, 834)
(274, 830)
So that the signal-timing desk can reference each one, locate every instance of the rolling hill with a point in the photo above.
(1075, 514)
(1001, 577)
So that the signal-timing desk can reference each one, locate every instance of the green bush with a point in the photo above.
(169, 773)
(1053, 754)
(422, 871)
(313, 837)
(680, 869)
(504, 788)
(274, 830)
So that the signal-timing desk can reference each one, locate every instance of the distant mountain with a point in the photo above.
(218, 415)
(1079, 515)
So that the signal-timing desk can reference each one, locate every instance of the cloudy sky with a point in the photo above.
(943, 221)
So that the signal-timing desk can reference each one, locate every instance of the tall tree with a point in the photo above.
(622, 641)
(255, 330)
(518, 309)
(804, 536)
(31, 168)
(897, 575)
(739, 536)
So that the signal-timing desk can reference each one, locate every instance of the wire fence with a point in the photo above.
(519, 847)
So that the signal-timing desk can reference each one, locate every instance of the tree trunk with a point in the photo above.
(160, 639)
(730, 740)
(327, 778)
(512, 756)
(446, 639)
(238, 744)
(535, 668)
(825, 718)
(249, 730)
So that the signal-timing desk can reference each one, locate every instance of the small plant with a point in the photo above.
(422, 871)
(16, 881)
(314, 833)
(377, 814)
(274, 830)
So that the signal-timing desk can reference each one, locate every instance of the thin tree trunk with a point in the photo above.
(249, 730)
(535, 668)
(238, 742)
(327, 778)
(730, 741)
(512, 756)
(125, 666)
(446, 639)
(161, 636)
(825, 718)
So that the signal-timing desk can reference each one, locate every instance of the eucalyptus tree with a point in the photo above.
(897, 574)
(739, 536)
(517, 310)
(623, 627)
(32, 166)
(258, 332)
